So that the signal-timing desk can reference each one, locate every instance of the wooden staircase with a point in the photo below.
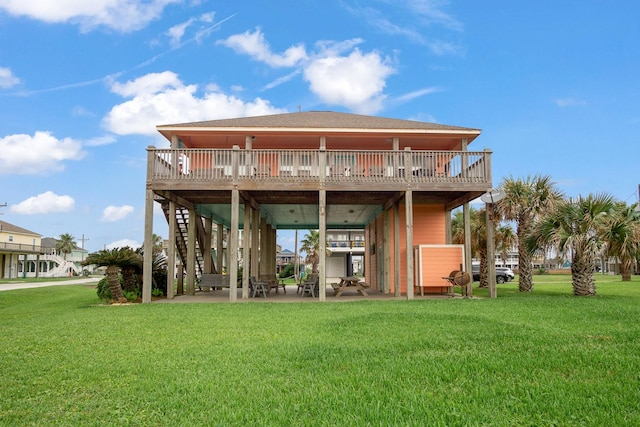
(182, 224)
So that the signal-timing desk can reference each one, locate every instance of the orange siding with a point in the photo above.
(428, 228)
(433, 262)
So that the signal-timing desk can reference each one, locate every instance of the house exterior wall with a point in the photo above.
(428, 229)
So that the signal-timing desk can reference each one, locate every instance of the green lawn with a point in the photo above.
(539, 359)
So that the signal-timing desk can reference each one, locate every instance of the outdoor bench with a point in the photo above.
(214, 281)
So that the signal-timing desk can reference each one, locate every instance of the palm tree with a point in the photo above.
(113, 259)
(576, 229)
(131, 267)
(478, 228)
(525, 201)
(622, 236)
(66, 244)
(311, 245)
(505, 240)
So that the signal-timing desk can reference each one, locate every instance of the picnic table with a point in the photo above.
(350, 282)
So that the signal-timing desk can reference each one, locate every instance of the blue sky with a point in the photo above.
(554, 85)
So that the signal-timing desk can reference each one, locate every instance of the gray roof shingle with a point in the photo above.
(320, 120)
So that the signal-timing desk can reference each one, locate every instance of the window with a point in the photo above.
(11, 238)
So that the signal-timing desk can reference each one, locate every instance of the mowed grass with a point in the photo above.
(545, 358)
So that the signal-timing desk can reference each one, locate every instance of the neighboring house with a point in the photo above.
(285, 257)
(16, 244)
(346, 253)
(396, 181)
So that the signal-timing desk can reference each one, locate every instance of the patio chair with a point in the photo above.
(311, 286)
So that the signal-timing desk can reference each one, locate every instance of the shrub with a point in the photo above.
(102, 289)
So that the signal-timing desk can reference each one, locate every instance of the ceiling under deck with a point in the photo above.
(288, 210)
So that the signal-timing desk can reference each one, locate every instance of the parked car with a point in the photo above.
(503, 274)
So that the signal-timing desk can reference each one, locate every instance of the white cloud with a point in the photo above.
(570, 102)
(356, 81)
(338, 72)
(176, 32)
(123, 243)
(45, 203)
(120, 15)
(7, 79)
(254, 45)
(37, 154)
(162, 98)
(424, 13)
(116, 213)
(100, 140)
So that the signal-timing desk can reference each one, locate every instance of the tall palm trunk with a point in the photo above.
(625, 269)
(484, 269)
(525, 272)
(129, 279)
(582, 276)
(114, 283)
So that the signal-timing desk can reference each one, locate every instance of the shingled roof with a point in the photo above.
(10, 228)
(321, 120)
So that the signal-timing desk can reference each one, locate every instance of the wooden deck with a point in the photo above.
(185, 169)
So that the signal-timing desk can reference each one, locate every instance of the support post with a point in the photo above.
(147, 266)
(171, 251)
(191, 252)
(491, 259)
(322, 237)
(246, 247)
(466, 213)
(232, 246)
(408, 199)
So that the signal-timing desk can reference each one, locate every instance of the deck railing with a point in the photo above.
(21, 247)
(319, 165)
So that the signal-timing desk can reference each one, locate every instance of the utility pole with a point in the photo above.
(82, 247)
(4, 205)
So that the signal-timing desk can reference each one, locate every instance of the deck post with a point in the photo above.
(219, 247)
(191, 252)
(385, 286)
(491, 260)
(246, 247)
(206, 247)
(466, 212)
(322, 237)
(171, 251)
(232, 246)
(408, 200)
(255, 244)
(397, 290)
(147, 267)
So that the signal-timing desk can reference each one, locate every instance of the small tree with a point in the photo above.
(113, 259)
(576, 229)
(65, 245)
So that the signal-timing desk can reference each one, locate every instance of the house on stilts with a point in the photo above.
(397, 180)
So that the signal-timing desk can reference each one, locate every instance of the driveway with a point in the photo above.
(25, 285)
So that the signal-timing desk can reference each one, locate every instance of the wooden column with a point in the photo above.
(147, 266)
(255, 244)
(466, 213)
(408, 199)
(232, 246)
(491, 259)
(171, 251)
(246, 250)
(191, 252)
(220, 248)
(264, 238)
(207, 262)
(322, 223)
(396, 250)
(386, 247)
